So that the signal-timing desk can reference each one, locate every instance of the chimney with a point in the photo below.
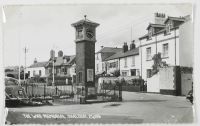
(60, 53)
(52, 54)
(132, 45)
(35, 60)
(125, 47)
(159, 18)
(102, 47)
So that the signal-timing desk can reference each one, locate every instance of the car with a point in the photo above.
(189, 96)
(15, 93)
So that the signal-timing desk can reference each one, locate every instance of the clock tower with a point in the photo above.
(85, 38)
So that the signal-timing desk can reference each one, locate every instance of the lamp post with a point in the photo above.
(53, 73)
(25, 51)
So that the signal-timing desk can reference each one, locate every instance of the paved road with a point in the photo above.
(135, 108)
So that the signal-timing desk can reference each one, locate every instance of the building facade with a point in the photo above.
(37, 69)
(165, 37)
(63, 65)
(101, 66)
(126, 61)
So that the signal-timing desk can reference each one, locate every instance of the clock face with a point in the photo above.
(90, 33)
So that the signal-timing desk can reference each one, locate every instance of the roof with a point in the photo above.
(85, 21)
(60, 60)
(38, 64)
(156, 25)
(175, 19)
(109, 49)
(182, 19)
(144, 36)
(121, 54)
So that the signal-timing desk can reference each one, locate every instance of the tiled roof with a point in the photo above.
(109, 49)
(144, 36)
(38, 64)
(121, 54)
(175, 19)
(60, 60)
(156, 25)
(86, 21)
(71, 60)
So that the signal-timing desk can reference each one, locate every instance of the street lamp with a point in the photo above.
(53, 73)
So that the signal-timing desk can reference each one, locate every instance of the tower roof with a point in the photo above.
(85, 21)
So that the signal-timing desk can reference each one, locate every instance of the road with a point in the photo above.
(135, 108)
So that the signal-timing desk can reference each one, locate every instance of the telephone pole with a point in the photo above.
(25, 51)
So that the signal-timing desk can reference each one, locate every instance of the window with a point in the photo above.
(103, 66)
(97, 58)
(133, 72)
(50, 70)
(165, 50)
(148, 53)
(124, 73)
(80, 77)
(97, 67)
(125, 62)
(168, 27)
(40, 72)
(28, 73)
(113, 64)
(137, 72)
(133, 60)
(148, 73)
(33, 72)
(65, 60)
(150, 33)
(79, 33)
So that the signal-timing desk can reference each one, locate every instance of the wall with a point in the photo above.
(36, 71)
(153, 84)
(130, 65)
(186, 83)
(167, 80)
(161, 39)
(187, 44)
(98, 62)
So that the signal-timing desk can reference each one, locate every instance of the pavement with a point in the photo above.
(135, 108)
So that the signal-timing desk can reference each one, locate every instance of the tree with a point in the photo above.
(158, 63)
(116, 73)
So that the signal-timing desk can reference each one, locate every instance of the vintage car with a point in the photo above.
(15, 93)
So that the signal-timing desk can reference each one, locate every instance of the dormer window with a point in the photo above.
(65, 60)
(168, 27)
(150, 33)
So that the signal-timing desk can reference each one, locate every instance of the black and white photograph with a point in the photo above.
(98, 64)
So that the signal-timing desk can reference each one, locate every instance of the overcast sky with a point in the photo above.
(42, 27)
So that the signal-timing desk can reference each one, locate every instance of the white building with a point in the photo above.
(126, 60)
(37, 69)
(172, 37)
(100, 56)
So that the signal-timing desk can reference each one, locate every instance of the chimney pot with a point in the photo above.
(60, 53)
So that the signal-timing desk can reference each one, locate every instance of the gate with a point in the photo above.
(110, 91)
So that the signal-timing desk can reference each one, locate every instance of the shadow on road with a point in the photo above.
(152, 100)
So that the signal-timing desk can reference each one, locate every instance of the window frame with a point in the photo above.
(165, 53)
(125, 62)
(148, 55)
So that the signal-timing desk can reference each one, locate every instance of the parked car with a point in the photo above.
(15, 93)
(189, 96)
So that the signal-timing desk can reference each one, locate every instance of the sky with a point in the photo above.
(41, 28)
